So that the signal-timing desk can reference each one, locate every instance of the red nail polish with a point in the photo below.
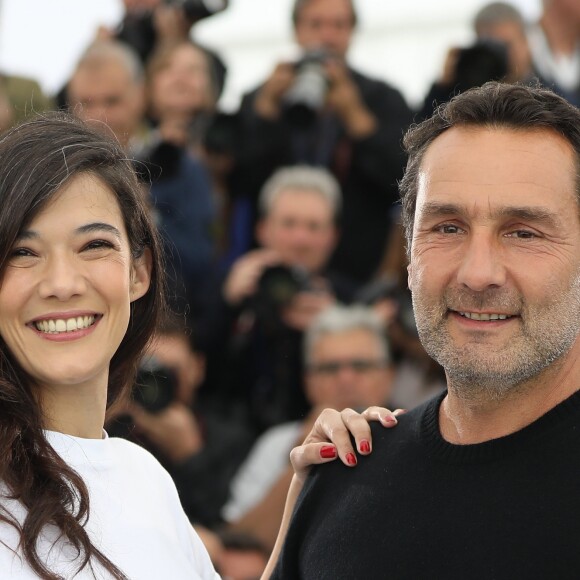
(328, 452)
(365, 446)
(350, 459)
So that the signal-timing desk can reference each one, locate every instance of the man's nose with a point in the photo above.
(62, 278)
(346, 374)
(482, 264)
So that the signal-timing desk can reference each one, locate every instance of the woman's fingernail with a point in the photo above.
(390, 420)
(328, 452)
(350, 459)
(365, 446)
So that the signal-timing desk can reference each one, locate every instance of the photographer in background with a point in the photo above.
(200, 451)
(321, 112)
(465, 68)
(147, 24)
(503, 22)
(347, 365)
(252, 329)
(500, 52)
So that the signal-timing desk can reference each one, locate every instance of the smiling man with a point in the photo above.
(482, 481)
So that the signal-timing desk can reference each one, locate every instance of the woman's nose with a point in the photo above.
(62, 278)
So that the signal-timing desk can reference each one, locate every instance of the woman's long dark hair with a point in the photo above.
(36, 159)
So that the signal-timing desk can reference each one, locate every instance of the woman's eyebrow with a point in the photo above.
(84, 229)
(99, 227)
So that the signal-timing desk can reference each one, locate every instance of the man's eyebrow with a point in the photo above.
(432, 209)
(538, 215)
(90, 228)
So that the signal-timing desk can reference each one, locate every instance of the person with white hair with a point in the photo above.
(347, 364)
(252, 328)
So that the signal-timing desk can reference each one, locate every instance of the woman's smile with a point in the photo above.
(67, 326)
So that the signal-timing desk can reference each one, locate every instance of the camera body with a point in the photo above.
(198, 9)
(485, 60)
(306, 97)
(279, 284)
(277, 287)
(155, 385)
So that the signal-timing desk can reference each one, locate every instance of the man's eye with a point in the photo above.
(448, 229)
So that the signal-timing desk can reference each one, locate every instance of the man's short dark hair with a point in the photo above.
(493, 105)
(299, 4)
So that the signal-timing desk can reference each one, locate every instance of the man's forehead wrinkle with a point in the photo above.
(473, 183)
(536, 213)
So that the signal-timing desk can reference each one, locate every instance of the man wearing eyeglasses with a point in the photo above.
(347, 362)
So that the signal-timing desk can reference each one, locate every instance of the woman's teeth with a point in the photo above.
(64, 325)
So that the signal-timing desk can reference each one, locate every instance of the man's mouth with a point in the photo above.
(485, 316)
(61, 325)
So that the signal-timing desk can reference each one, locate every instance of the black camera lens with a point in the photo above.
(279, 284)
(155, 386)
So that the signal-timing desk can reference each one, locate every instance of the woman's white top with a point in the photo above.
(136, 518)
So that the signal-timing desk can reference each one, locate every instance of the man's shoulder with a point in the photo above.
(402, 443)
(408, 434)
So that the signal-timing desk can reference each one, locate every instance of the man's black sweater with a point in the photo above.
(419, 507)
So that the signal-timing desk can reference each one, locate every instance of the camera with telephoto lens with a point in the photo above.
(198, 9)
(277, 286)
(155, 385)
(305, 98)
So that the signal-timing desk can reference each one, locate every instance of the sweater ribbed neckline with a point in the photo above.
(502, 447)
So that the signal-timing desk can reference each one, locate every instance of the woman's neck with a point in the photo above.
(74, 410)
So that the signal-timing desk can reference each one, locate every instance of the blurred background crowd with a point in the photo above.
(285, 253)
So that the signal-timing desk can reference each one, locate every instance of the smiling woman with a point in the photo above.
(81, 290)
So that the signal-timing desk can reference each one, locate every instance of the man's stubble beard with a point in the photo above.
(484, 369)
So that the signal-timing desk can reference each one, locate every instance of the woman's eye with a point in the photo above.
(98, 245)
(522, 234)
(21, 253)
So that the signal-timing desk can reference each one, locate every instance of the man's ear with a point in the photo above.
(141, 275)
(409, 276)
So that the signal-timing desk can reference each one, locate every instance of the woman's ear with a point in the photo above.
(141, 275)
